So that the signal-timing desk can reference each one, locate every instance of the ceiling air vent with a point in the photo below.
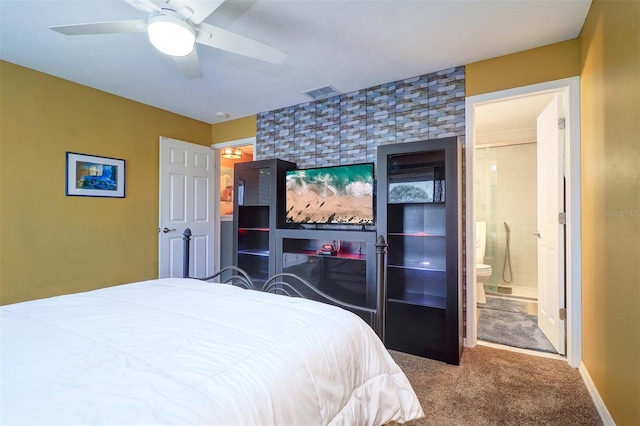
(322, 92)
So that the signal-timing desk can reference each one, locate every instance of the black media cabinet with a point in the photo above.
(419, 211)
(257, 213)
(348, 275)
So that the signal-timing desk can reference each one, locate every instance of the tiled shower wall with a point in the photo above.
(506, 193)
(348, 128)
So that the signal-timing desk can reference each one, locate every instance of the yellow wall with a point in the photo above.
(547, 63)
(52, 244)
(610, 109)
(233, 130)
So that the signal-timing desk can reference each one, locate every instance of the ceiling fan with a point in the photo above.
(174, 29)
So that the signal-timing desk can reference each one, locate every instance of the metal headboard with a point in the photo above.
(277, 285)
(282, 284)
(235, 276)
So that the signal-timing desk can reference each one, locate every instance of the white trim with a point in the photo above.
(216, 208)
(500, 144)
(237, 142)
(471, 335)
(571, 88)
(573, 247)
(521, 350)
(607, 420)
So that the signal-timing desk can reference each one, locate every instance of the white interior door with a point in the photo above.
(186, 201)
(550, 147)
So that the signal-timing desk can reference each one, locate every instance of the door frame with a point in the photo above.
(217, 219)
(570, 87)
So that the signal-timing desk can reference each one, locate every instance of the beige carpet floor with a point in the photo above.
(498, 387)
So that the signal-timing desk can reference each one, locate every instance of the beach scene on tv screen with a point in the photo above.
(331, 195)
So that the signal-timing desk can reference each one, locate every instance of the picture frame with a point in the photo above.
(94, 176)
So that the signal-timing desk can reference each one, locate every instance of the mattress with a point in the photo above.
(183, 351)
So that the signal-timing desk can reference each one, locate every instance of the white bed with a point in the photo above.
(183, 351)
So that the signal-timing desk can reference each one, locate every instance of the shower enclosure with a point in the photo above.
(505, 198)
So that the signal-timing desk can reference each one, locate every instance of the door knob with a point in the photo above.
(165, 230)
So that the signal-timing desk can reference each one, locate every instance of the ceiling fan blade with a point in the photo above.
(195, 11)
(144, 5)
(212, 36)
(189, 65)
(135, 26)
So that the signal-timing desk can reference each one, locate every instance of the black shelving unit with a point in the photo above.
(257, 213)
(419, 213)
(348, 275)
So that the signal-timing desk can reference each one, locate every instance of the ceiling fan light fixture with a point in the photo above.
(171, 35)
(232, 153)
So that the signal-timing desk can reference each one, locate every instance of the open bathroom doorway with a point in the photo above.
(519, 268)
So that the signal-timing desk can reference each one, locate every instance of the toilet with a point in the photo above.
(483, 271)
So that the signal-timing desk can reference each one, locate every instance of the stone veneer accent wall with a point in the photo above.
(348, 128)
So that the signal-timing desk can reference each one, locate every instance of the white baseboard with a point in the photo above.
(607, 420)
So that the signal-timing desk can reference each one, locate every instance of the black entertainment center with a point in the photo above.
(418, 212)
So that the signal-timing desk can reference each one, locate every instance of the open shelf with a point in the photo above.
(256, 217)
(421, 266)
(417, 252)
(339, 255)
(254, 252)
(414, 234)
(421, 299)
(415, 203)
(417, 219)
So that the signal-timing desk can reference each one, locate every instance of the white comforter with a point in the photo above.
(177, 351)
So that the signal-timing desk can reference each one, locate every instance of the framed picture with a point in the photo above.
(94, 176)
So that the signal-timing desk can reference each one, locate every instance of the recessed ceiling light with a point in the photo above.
(222, 114)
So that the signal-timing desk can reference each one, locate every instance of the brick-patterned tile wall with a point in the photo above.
(348, 128)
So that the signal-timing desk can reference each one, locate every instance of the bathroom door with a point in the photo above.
(550, 187)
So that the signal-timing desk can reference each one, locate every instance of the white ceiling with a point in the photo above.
(350, 44)
(509, 120)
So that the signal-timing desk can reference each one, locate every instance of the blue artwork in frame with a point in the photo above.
(94, 176)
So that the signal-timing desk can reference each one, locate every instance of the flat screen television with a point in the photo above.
(330, 195)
